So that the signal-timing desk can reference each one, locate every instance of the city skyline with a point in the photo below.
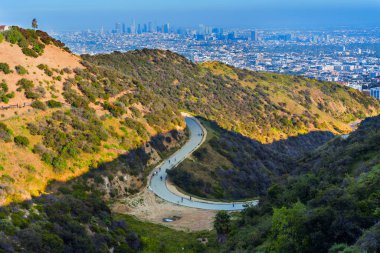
(72, 15)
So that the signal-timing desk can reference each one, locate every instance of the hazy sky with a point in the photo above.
(82, 14)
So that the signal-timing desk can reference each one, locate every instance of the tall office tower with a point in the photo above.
(166, 28)
(138, 29)
(145, 28)
(118, 28)
(215, 30)
(133, 27)
(124, 28)
(231, 36)
(254, 36)
(201, 29)
(150, 27)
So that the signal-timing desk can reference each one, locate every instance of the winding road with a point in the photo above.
(158, 177)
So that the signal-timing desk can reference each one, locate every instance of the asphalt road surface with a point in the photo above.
(158, 178)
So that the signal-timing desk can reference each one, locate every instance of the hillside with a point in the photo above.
(59, 118)
(232, 166)
(330, 204)
(262, 106)
(251, 117)
(81, 133)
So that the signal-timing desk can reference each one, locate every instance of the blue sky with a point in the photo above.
(82, 14)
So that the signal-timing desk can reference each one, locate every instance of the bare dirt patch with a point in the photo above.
(148, 207)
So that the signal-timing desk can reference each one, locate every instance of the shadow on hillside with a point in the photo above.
(128, 172)
(73, 217)
(254, 165)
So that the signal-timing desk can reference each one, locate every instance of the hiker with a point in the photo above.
(161, 178)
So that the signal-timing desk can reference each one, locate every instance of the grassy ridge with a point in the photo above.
(262, 106)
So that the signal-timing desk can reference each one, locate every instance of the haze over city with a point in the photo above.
(74, 15)
(201, 126)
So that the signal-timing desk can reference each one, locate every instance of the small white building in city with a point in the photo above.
(4, 28)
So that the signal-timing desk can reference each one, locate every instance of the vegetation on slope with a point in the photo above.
(106, 114)
(262, 106)
(331, 204)
(31, 42)
(231, 166)
(123, 117)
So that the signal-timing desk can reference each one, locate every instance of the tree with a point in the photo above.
(222, 225)
(288, 233)
(34, 24)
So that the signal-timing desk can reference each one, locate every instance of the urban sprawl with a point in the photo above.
(345, 55)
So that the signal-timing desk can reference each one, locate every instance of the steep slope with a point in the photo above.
(243, 105)
(232, 166)
(47, 72)
(262, 106)
(98, 126)
(60, 118)
(330, 203)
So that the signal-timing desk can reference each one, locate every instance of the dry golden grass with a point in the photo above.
(53, 57)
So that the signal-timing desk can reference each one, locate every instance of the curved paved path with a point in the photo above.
(158, 178)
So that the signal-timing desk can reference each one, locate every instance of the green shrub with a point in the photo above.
(21, 70)
(7, 179)
(1, 38)
(39, 105)
(1, 167)
(26, 39)
(59, 164)
(21, 141)
(5, 68)
(4, 95)
(29, 52)
(30, 91)
(53, 104)
(5, 133)
(46, 69)
(13, 36)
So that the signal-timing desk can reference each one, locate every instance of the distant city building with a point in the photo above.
(118, 28)
(166, 28)
(375, 92)
(307, 53)
(151, 27)
(231, 36)
(133, 27)
(254, 36)
(4, 28)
